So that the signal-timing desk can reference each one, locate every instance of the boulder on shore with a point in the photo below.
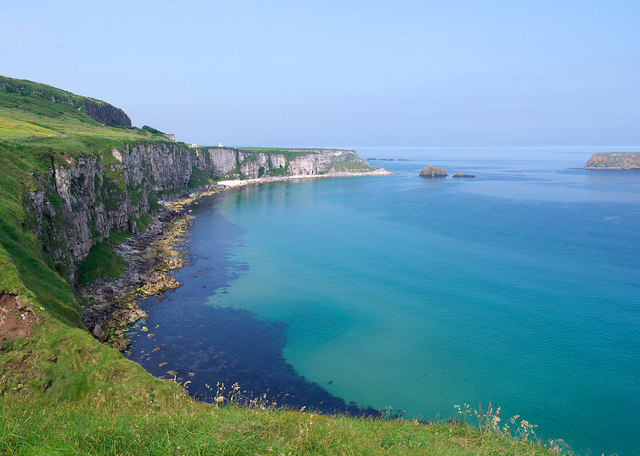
(433, 171)
(459, 174)
(99, 333)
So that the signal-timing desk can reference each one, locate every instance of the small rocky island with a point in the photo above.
(459, 174)
(433, 171)
(614, 160)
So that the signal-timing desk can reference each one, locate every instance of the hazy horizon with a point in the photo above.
(285, 73)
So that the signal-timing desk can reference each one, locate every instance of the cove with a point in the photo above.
(518, 287)
(185, 340)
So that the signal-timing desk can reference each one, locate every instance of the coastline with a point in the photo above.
(265, 180)
(610, 168)
(151, 255)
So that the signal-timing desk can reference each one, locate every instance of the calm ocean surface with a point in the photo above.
(520, 287)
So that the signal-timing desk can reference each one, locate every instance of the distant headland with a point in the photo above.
(614, 160)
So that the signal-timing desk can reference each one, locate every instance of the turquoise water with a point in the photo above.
(519, 287)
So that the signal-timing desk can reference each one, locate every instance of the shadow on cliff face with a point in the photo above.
(189, 341)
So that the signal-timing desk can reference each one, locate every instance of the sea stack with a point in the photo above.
(459, 174)
(433, 171)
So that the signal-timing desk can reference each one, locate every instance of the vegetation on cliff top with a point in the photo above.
(348, 166)
(63, 392)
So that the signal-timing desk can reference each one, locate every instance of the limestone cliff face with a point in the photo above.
(67, 209)
(322, 162)
(614, 160)
(81, 201)
(81, 204)
(248, 164)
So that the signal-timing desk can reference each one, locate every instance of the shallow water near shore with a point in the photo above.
(518, 287)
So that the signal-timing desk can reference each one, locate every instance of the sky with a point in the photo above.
(344, 73)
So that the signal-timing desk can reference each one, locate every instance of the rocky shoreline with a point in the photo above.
(264, 180)
(151, 255)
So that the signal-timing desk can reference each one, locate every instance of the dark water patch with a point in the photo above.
(210, 346)
(189, 341)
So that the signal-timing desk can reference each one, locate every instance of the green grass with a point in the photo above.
(198, 178)
(101, 262)
(187, 428)
(347, 166)
(282, 171)
(30, 114)
(84, 370)
(25, 272)
(153, 204)
(118, 237)
(143, 222)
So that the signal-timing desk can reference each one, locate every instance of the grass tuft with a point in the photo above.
(101, 262)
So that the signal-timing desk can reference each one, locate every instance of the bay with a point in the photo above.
(517, 288)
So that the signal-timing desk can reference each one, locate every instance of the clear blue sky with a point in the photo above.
(336, 73)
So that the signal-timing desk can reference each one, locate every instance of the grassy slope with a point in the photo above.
(187, 428)
(348, 166)
(62, 392)
(25, 151)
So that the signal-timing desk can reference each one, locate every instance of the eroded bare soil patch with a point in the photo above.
(16, 320)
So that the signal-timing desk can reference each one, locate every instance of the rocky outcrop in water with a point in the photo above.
(614, 160)
(462, 175)
(433, 171)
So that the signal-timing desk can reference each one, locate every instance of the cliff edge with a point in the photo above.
(99, 111)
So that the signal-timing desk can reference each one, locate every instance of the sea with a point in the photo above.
(406, 296)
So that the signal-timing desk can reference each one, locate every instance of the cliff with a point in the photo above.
(614, 160)
(80, 201)
(252, 163)
(82, 181)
